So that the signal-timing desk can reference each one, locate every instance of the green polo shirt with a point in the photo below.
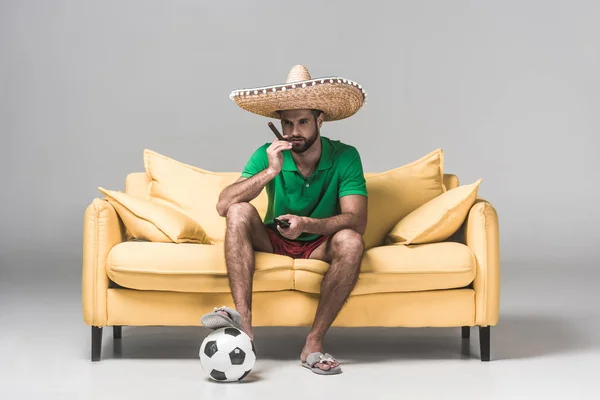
(339, 173)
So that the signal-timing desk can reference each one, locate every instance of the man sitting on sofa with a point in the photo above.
(314, 184)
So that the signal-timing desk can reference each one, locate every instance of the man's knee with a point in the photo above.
(347, 242)
(240, 214)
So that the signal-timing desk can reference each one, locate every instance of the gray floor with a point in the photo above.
(545, 346)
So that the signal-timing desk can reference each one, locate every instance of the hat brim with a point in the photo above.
(337, 97)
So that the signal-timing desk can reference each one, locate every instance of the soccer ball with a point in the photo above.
(227, 354)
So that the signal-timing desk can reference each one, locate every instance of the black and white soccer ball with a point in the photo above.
(227, 354)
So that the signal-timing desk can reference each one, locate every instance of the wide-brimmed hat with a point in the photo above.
(337, 97)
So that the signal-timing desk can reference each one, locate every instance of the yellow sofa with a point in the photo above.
(454, 283)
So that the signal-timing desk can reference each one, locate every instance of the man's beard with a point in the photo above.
(301, 148)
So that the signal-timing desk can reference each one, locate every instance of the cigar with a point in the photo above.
(275, 131)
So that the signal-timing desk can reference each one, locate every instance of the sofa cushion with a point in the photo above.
(154, 222)
(190, 268)
(395, 193)
(399, 268)
(436, 220)
(192, 190)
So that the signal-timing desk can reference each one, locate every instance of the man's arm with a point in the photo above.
(243, 190)
(263, 166)
(353, 216)
(353, 202)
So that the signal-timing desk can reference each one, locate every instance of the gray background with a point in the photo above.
(510, 90)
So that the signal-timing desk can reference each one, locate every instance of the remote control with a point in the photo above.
(282, 222)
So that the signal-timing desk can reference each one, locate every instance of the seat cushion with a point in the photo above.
(190, 267)
(399, 268)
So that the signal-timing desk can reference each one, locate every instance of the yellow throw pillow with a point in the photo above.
(438, 219)
(154, 222)
(395, 193)
(193, 191)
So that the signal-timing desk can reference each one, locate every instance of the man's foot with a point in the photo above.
(245, 326)
(315, 347)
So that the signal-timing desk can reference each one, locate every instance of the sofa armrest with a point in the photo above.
(481, 234)
(102, 229)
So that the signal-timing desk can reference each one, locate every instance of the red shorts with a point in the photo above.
(293, 248)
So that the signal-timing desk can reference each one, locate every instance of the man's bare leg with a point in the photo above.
(245, 233)
(344, 251)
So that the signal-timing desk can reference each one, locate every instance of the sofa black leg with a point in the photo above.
(466, 332)
(116, 332)
(484, 342)
(96, 343)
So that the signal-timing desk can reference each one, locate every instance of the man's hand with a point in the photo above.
(275, 155)
(295, 229)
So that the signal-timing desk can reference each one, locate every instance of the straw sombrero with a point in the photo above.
(337, 97)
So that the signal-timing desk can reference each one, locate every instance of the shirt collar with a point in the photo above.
(325, 161)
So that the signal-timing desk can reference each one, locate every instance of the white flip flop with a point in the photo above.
(315, 358)
(216, 320)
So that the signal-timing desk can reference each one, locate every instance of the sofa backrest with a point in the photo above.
(136, 184)
(450, 181)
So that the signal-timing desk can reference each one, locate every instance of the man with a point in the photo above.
(315, 184)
